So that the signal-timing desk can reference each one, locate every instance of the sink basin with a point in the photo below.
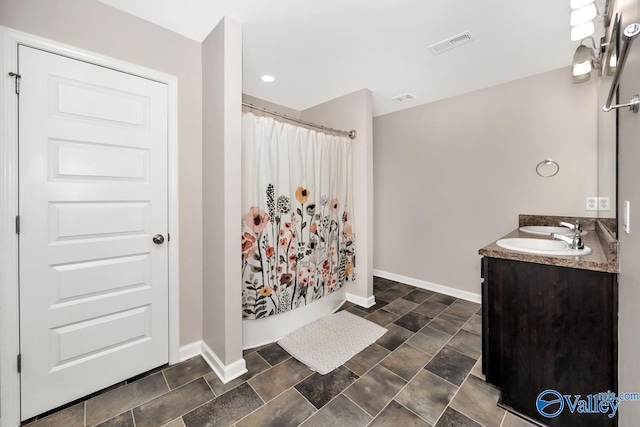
(541, 246)
(547, 230)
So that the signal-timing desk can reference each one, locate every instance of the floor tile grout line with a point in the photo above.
(360, 407)
(264, 404)
(504, 417)
(453, 398)
(209, 385)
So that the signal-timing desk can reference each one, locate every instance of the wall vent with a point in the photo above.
(404, 98)
(451, 42)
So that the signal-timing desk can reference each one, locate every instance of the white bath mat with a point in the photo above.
(329, 342)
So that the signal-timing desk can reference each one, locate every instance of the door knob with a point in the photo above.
(158, 239)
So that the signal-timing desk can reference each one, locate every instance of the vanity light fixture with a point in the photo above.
(583, 12)
(584, 61)
(577, 4)
(583, 15)
(268, 79)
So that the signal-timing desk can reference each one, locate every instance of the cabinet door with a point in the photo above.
(556, 327)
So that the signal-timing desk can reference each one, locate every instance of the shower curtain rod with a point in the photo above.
(351, 134)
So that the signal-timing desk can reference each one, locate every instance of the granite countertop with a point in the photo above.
(604, 248)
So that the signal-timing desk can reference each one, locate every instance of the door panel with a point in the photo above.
(93, 192)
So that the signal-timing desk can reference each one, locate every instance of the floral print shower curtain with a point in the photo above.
(298, 238)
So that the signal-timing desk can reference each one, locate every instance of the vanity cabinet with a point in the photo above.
(549, 327)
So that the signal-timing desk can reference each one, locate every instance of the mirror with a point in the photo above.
(607, 131)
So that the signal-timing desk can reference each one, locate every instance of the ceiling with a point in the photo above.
(320, 50)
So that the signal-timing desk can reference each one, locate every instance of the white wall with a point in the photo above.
(354, 111)
(629, 189)
(221, 194)
(104, 30)
(453, 175)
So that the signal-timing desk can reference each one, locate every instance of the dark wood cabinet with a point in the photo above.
(549, 327)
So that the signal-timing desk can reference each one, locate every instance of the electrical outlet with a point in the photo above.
(592, 204)
(604, 204)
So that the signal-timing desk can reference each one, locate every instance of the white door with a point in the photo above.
(93, 193)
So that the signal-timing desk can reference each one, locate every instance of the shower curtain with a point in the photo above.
(298, 238)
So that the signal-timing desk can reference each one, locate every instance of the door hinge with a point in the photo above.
(19, 363)
(17, 77)
(18, 224)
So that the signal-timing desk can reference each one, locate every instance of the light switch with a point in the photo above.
(626, 215)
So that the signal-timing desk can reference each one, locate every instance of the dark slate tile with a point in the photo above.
(346, 305)
(430, 308)
(374, 390)
(377, 306)
(453, 418)
(401, 306)
(274, 381)
(274, 354)
(390, 295)
(418, 296)
(255, 365)
(381, 285)
(143, 375)
(105, 406)
(122, 420)
(253, 350)
(429, 340)
(413, 321)
(406, 361)
(427, 395)
(73, 416)
(474, 325)
(451, 365)
(395, 415)
(340, 412)
(382, 317)
(173, 404)
(447, 323)
(463, 309)
(467, 343)
(224, 410)
(320, 389)
(478, 400)
(186, 371)
(367, 359)
(405, 289)
(395, 337)
(443, 299)
(357, 311)
(287, 410)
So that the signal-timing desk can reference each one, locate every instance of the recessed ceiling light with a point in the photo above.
(268, 79)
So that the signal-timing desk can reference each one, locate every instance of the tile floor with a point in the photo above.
(424, 372)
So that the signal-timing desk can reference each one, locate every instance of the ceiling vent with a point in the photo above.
(405, 97)
(451, 42)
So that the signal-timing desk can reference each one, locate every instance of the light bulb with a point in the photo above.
(583, 15)
(581, 31)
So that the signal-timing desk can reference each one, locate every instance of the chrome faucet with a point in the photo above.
(574, 242)
(573, 227)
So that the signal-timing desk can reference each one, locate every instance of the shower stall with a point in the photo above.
(298, 234)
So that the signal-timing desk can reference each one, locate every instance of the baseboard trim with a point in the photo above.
(226, 373)
(190, 350)
(361, 301)
(457, 293)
